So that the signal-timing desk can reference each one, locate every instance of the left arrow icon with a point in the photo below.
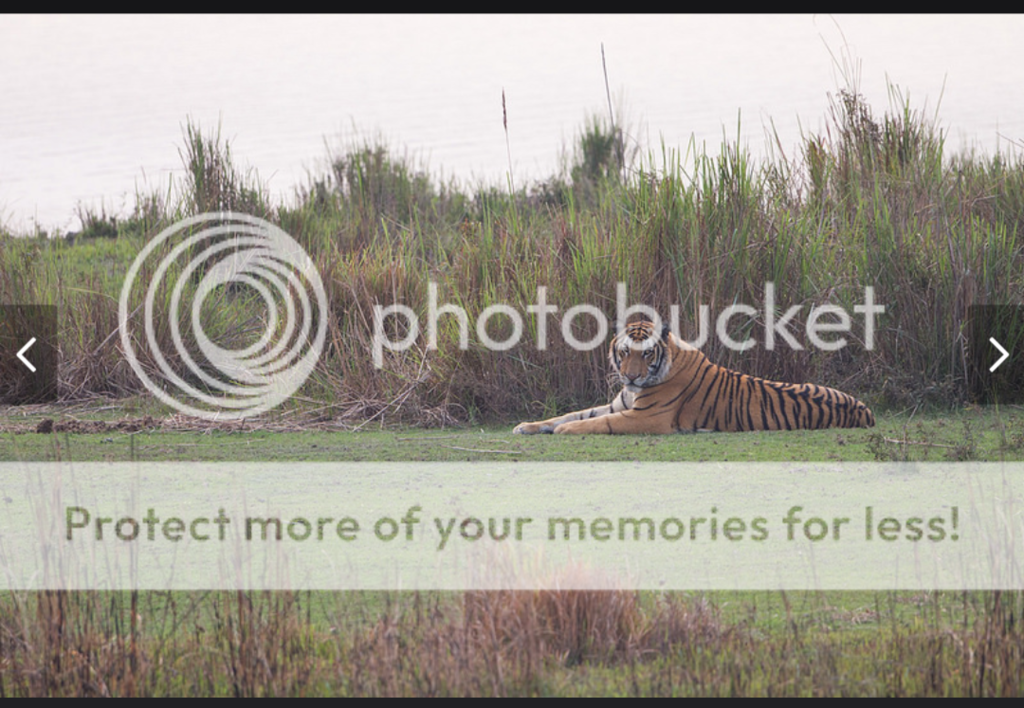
(21, 355)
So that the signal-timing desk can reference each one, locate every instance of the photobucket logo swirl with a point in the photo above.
(241, 264)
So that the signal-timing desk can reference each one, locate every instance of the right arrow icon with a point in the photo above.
(1004, 357)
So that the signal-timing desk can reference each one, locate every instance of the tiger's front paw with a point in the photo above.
(531, 429)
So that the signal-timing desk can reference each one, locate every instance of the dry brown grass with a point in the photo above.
(498, 643)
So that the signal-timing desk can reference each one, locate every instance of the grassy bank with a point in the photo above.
(873, 200)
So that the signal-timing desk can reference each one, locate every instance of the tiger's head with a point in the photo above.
(641, 355)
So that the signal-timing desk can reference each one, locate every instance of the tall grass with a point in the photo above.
(512, 643)
(212, 181)
(873, 200)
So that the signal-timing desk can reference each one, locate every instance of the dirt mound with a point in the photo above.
(129, 425)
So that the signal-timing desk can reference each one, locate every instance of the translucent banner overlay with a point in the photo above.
(609, 525)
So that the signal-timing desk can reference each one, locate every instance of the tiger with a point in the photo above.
(669, 386)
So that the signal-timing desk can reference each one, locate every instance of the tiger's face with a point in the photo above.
(640, 355)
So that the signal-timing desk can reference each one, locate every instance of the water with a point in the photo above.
(93, 107)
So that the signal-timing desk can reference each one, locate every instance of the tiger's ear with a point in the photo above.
(665, 329)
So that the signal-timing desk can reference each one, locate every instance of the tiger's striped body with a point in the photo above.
(671, 387)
